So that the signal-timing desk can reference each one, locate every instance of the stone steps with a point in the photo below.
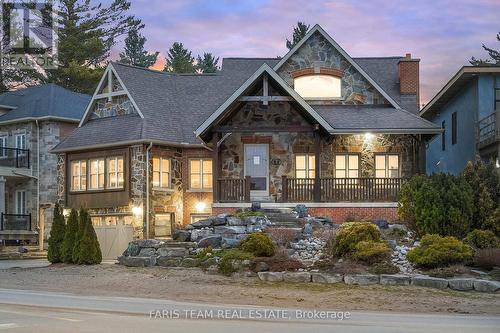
(176, 244)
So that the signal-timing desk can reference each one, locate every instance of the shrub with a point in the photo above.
(371, 252)
(89, 252)
(384, 267)
(487, 258)
(351, 233)
(482, 239)
(79, 235)
(56, 239)
(436, 251)
(248, 213)
(440, 204)
(259, 244)
(226, 264)
(69, 237)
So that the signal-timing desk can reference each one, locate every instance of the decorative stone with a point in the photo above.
(181, 235)
(261, 267)
(486, 286)
(168, 262)
(431, 282)
(209, 262)
(461, 284)
(301, 211)
(198, 234)
(172, 252)
(395, 280)
(382, 224)
(232, 220)
(132, 250)
(308, 229)
(202, 223)
(228, 243)
(189, 262)
(148, 243)
(220, 219)
(327, 278)
(297, 277)
(392, 243)
(270, 276)
(361, 279)
(212, 241)
(230, 230)
(147, 252)
(137, 261)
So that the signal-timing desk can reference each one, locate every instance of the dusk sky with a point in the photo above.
(444, 34)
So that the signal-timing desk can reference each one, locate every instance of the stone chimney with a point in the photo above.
(409, 82)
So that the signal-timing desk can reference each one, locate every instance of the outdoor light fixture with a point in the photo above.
(200, 206)
(136, 210)
(66, 212)
(368, 136)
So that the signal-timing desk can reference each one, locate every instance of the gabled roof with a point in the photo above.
(317, 28)
(456, 83)
(252, 79)
(47, 101)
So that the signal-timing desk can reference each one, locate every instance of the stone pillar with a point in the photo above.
(317, 164)
(215, 167)
(2, 196)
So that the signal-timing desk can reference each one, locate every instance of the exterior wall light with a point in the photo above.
(200, 206)
(368, 137)
(136, 210)
(66, 212)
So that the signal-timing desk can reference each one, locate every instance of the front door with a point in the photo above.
(257, 167)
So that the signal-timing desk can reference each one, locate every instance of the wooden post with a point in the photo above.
(247, 188)
(215, 167)
(284, 189)
(317, 171)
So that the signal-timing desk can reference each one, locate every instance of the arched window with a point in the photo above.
(318, 86)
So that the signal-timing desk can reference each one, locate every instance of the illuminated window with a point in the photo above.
(96, 174)
(200, 172)
(346, 166)
(304, 166)
(318, 86)
(387, 166)
(79, 175)
(161, 172)
(115, 172)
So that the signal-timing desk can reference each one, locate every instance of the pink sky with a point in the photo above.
(444, 34)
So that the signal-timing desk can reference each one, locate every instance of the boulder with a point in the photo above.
(223, 230)
(301, 211)
(431, 282)
(392, 243)
(382, 224)
(308, 229)
(327, 278)
(461, 284)
(361, 279)
(271, 276)
(203, 223)
(395, 280)
(397, 226)
(228, 243)
(198, 234)
(261, 267)
(172, 252)
(132, 250)
(297, 277)
(486, 286)
(251, 220)
(181, 235)
(147, 252)
(137, 261)
(189, 262)
(321, 221)
(209, 262)
(155, 243)
(168, 262)
(212, 241)
(232, 220)
(220, 219)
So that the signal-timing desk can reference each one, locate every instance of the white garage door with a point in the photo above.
(114, 239)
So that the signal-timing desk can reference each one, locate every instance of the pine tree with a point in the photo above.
(79, 235)
(134, 52)
(493, 54)
(57, 231)
(298, 33)
(207, 64)
(70, 236)
(179, 60)
(89, 250)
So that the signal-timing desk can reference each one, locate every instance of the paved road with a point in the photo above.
(23, 263)
(29, 311)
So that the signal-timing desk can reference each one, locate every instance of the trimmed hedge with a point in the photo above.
(55, 254)
(436, 251)
(351, 233)
(70, 237)
(259, 244)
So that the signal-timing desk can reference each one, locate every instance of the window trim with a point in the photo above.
(346, 154)
(386, 164)
(25, 141)
(161, 172)
(106, 180)
(454, 129)
(201, 189)
(24, 202)
(89, 174)
(71, 176)
(308, 168)
(318, 98)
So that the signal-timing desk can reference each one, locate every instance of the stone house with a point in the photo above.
(32, 122)
(159, 150)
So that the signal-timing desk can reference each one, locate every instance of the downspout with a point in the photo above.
(147, 188)
(38, 174)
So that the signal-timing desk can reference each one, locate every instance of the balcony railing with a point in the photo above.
(14, 157)
(11, 222)
(487, 129)
(233, 189)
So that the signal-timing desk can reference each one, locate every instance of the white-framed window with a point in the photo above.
(96, 174)
(346, 166)
(161, 172)
(115, 172)
(79, 175)
(200, 174)
(305, 166)
(318, 86)
(3, 144)
(387, 166)
(20, 202)
(21, 143)
(198, 217)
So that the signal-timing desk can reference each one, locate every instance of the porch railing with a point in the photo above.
(487, 129)
(233, 189)
(15, 222)
(14, 157)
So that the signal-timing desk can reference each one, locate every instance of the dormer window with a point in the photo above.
(318, 83)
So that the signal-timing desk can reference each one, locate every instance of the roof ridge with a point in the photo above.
(253, 58)
(162, 72)
(383, 57)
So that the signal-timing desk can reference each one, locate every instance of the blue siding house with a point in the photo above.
(467, 108)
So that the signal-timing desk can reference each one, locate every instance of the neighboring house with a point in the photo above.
(467, 109)
(32, 122)
(158, 150)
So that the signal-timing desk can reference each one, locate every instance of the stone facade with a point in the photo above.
(118, 106)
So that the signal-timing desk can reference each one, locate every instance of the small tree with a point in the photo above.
(207, 64)
(70, 237)
(179, 60)
(79, 235)
(57, 232)
(89, 250)
(134, 52)
(492, 53)
(299, 32)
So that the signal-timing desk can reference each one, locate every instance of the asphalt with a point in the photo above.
(29, 311)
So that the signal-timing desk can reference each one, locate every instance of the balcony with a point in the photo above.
(15, 222)
(14, 158)
(488, 132)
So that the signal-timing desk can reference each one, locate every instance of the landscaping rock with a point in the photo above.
(223, 230)
(148, 243)
(172, 252)
(261, 267)
(397, 226)
(382, 224)
(212, 241)
(198, 234)
(203, 223)
(232, 220)
(209, 262)
(392, 243)
(308, 229)
(270, 276)
(486, 286)
(132, 250)
(251, 228)
(168, 262)
(361, 279)
(228, 243)
(327, 278)
(297, 277)
(395, 280)
(461, 284)
(431, 282)
(181, 235)
(189, 262)
(147, 252)
(220, 219)
(137, 261)
(301, 211)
